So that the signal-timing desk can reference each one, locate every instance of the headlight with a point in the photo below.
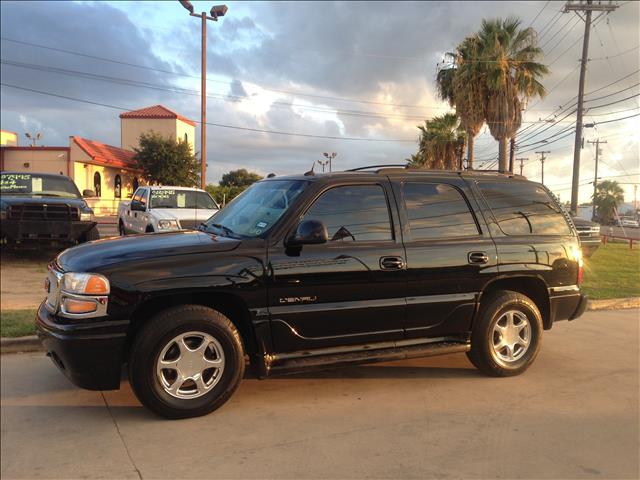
(168, 225)
(86, 217)
(85, 284)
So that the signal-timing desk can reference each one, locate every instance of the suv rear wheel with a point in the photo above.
(186, 362)
(507, 335)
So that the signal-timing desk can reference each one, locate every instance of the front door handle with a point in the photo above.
(391, 263)
(478, 257)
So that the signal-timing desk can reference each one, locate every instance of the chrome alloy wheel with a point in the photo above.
(190, 365)
(511, 337)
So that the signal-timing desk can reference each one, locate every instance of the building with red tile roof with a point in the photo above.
(109, 171)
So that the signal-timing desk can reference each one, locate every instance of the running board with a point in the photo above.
(304, 361)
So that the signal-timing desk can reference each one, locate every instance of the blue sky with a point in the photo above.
(330, 69)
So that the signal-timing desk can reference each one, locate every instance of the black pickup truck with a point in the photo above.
(317, 270)
(43, 208)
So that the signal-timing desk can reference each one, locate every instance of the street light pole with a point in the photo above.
(216, 11)
(330, 156)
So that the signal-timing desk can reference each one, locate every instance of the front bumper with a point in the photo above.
(44, 231)
(589, 245)
(89, 353)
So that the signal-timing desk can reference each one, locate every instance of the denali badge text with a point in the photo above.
(298, 299)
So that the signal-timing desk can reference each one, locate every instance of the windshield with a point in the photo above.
(257, 209)
(34, 184)
(168, 198)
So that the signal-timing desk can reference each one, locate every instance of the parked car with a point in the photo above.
(589, 233)
(628, 222)
(44, 208)
(162, 209)
(310, 271)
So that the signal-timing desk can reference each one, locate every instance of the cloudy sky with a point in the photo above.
(358, 75)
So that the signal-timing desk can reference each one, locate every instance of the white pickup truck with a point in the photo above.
(162, 209)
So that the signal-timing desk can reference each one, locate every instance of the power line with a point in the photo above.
(170, 72)
(234, 127)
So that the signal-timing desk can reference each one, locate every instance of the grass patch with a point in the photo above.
(613, 271)
(17, 323)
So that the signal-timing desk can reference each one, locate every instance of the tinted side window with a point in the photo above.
(137, 194)
(437, 211)
(356, 213)
(524, 209)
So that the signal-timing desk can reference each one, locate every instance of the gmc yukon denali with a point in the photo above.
(317, 270)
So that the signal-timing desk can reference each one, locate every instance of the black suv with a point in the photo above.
(312, 270)
(43, 208)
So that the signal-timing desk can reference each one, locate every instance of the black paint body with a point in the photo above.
(338, 296)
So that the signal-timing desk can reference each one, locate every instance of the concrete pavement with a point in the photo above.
(574, 414)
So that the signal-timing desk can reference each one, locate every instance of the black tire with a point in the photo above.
(149, 229)
(495, 308)
(91, 235)
(157, 333)
(121, 229)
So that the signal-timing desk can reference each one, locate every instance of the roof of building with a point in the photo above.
(156, 112)
(106, 155)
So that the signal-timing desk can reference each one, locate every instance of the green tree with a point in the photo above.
(232, 184)
(462, 84)
(609, 194)
(508, 64)
(441, 143)
(167, 162)
(239, 178)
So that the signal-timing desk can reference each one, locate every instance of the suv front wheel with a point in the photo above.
(186, 361)
(507, 335)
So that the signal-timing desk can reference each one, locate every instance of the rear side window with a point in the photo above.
(436, 210)
(524, 209)
(354, 213)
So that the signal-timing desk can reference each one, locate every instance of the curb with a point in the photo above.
(32, 343)
(614, 303)
(20, 344)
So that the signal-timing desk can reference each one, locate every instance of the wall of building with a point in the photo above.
(36, 159)
(132, 128)
(9, 139)
(84, 173)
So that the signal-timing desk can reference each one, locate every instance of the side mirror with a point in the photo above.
(309, 232)
(88, 193)
(137, 206)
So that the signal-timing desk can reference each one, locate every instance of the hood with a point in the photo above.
(39, 200)
(581, 222)
(93, 256)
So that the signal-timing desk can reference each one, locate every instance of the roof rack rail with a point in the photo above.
(403, 165)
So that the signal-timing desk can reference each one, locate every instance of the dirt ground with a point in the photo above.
(22, 278)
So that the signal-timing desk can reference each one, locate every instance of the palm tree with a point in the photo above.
(441, 143)
(508, 59)
(462, 84)
(609, 194)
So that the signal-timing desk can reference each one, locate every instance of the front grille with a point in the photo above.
(30, 211)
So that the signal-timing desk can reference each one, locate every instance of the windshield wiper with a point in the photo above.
(226, 230)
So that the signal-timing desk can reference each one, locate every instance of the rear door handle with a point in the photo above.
(478, 257)
(391, 263)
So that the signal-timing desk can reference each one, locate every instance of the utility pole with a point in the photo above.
(587, 8)
(542, 159)
(512, 152)
(595, 178)
(522, 160)
(216, 11)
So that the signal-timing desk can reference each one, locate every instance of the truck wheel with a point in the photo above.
(507, 335)
(92, 234)
(186, 362)
(121, 229)
(149, 229)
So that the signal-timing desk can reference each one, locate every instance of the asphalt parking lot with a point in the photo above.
(574, 414)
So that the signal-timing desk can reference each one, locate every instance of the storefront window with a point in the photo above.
(97, 184)
(117, 187)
